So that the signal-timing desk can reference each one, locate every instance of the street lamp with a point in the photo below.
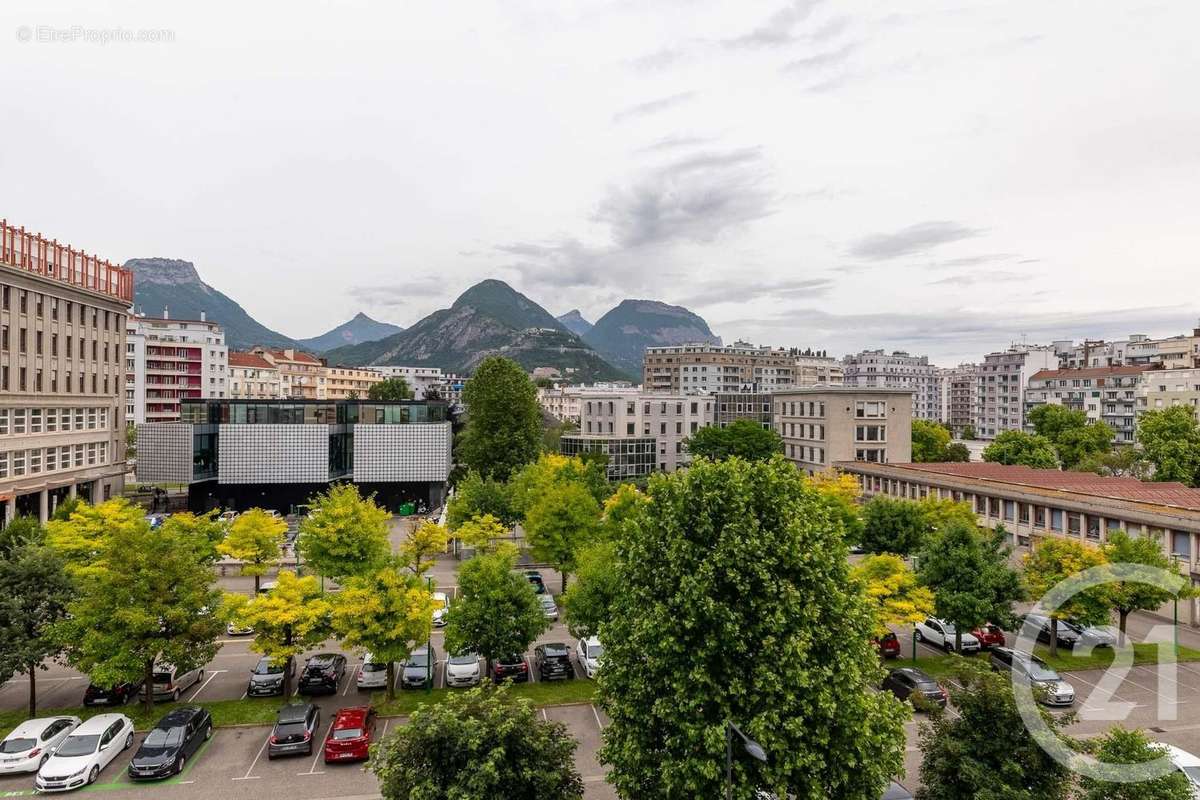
(752, 747)
(429, 647)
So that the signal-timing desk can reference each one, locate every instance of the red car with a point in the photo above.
(351, 735)
(989, 636)
(888, 645)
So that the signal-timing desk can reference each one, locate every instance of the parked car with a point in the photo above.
(941, 634)
(266, 679)
(168, 746)
(267, 586)
(117, 695)
(1055, 691)
(888, 645)
(514, 668)
(32, 742)
(372, 674)
(1068, 635)
(233, 630)
(171, 682)
(351, 734)
(895, 791)
(463, 670)
(904, 682)
(418, 671)
(85, 752)
(989, 636)
(535, 579)
(322, 674)
(228, 516)
(1092, 636)
(553, 661)
(1186, 763)
(441, 606)
(294, 731)
(549, 607)
(589, 652)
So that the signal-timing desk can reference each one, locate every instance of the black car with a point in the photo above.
(513, 668)
(295, 729)
(904, 682)
(553, 661)
(322, 674)
(1068, 636)
(117, 695)
(535, 580)
(174, 740)
(420, 668)
(266, 679)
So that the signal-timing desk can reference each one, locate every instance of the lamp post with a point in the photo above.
(752, 747)
(914, 633)
(429, 647)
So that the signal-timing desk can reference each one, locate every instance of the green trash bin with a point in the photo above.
(406, 509)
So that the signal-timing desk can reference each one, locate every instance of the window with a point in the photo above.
(18, 415)
(35, 420)
(3, 454)
(18, 463)
(79, 455)
(868, 409)
(35, 461)
(91, 453)
(3, 421)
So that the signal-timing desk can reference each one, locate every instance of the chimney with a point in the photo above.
(166, 312)
(203, 316)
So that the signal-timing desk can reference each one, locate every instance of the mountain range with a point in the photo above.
(356, 331)
(625, 332)
(575, 322)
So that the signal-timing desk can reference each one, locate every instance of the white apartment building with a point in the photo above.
(1160, 389)
(252, 377)
(1175, 352)
(419, 379)
(1105, 394)
(813, 370)
(703, 368)
(876, 369)
(1000, 386)
(171, 360)
(668, 419)
(959, 398)
(823, 425)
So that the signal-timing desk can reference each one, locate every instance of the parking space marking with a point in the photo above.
(313, 769)
(248, 776)
(353, 673)
(544, 717)
(214, 674)
(595, 714)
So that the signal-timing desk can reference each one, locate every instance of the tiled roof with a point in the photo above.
(253, 360)
(1173, 494)
(297, 355)
(1089, 372)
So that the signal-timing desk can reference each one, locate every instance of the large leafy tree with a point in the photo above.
(426, 541)
(1052, 420)
(256, 539)
(1120, 746)
(533, 481)
(968, 570)
(497, 613)
(34, 593)
(1079, 444)
(623, 507)
(21, 531)
(893, 526)
(345, 533)
(294, 616)
(743, 438)
(475, 496)
(483, 534)
(1025, 449)
(390, 389)
(563, 520)
(737, 605)
(591, 599)
(1121, 462)
(504, 421)
(142, 596)
(1053, 561)
(929, 441)
(385, 613)
(842, 493)
(985, 750)
(481, 743)
(1171, 440)
(893, 590)
(1130, 596)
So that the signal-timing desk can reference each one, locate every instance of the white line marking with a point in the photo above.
(544, 717)
(214, 674)
(305, 774)
(386, 722)
(313, 769)
(246, 777)
(352, 674)
(596, 714)
(244, 694)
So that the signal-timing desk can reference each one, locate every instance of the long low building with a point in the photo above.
(1035, 503)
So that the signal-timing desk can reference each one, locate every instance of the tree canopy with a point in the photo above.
(425, 541)
(475, 496)
(1170, 438)
(345, 533)
(842, 492)
(930, 441)
(743, 438)
(395, 388)
(1120, 746)
(893, 526)
(504, 421)
(256, 539)
(1052, 420)
(34, 593)
(895, 594)
(1025, 449)
(564, 519)
(497, 613)
(1053, 561)
(591, 599)
(1130, 596)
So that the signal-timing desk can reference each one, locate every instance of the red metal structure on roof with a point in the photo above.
(49, 259)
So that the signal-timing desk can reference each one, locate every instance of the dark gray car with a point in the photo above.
(295, 730)
(266, 680)
(419, 669)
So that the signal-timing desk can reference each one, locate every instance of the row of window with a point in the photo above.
(812, 455)
(804, 430)
(22, 300)
(40, 341)
(20, 421)
(802, 408)
(38, 460)
(22, 379)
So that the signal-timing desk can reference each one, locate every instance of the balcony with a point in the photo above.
(33, 253)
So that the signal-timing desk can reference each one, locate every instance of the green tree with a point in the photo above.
(929, 441)
(426, 541)
(288, 620)
(66, 508)
(497, 614)
(968, 433)
(204, 529)
(1053, 561)
(967, 568)
(1120, 746)
(345, 533)
(1025, 449)
(504, 421)
(1052, 420)
(1171, 440)
(390, 389)
(142, 596)
(1079, 444)
(482, 534)
(256, 539)
(940, 514)
(893, 590)
(563, 520)
(985, 750)
(480, 743)
(591, 599)
(623, 508)
(476, 496)
(34, 593)
(1120, 462)
(385, 613)
(957, 451)
(842, 493)
(537, 479)
(1129, 596)
(893, 526)
(743, 438)
(23, 530)
(737, 605)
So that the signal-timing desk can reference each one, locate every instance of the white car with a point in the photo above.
(1186, 763)
(940, 633)
(234, 630)
(441, 605)
(32, 742)
(372, 674)
(86, 751)
(589, 651)
(463, 670)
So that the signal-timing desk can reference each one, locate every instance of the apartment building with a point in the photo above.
(561, 402)
(733, 406)
(1175, 352)
(1105, 394)
(813, 370)
(419, 379)
(1164, 388)
(301, 375)
(1000, 386)
(666, 419)
(876, 369)
(252, 377)
(62, 377)
(959, 396)
(702, 368)
(349, 383)
(823, 425)
(170, 360)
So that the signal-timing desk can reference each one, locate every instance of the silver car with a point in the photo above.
(372, 674)
(549, 608)
(463, 670)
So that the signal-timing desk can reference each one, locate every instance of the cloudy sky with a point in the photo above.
(941, 177)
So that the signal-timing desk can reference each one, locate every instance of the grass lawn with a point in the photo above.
(554, 693)
(1065, 661)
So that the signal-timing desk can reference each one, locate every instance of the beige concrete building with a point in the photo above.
(818, 371)
(252, 377)
(667, 419)
(1105, 394)
(1164, 388)
(62, 374)
(348, 383)
(959, 396)
(301, 374)
(1000, 387)
(820, 426)
(711, 369)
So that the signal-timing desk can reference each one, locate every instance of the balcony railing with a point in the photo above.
(34, 253)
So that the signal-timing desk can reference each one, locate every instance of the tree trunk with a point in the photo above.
(1123, 615)
(287, 679)
(391, 681)
(148, 689)
(257, 578)
(1053, 637)
(32, 689)
(564, 582)
(487, 663)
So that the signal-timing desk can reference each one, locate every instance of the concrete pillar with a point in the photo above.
(44, 506)
(72, 491)
(10, 510)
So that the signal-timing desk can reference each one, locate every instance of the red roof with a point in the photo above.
(253, 360)
(1089, 372)
(1171, 494)
(297, 355)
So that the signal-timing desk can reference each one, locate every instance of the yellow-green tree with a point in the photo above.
(565, 519)
(942, 514)
(623, 507)
(427, 540)
(384, 613)
(895, 594)
(1053, 561)
(481, 534)
(533, 481)
(256, 539)
(345, 534)
(287, 620)
(841, 492)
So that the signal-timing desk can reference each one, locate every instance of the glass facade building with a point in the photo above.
(627, 458)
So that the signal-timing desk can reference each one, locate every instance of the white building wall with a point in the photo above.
(264, 453)
(402, 453)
